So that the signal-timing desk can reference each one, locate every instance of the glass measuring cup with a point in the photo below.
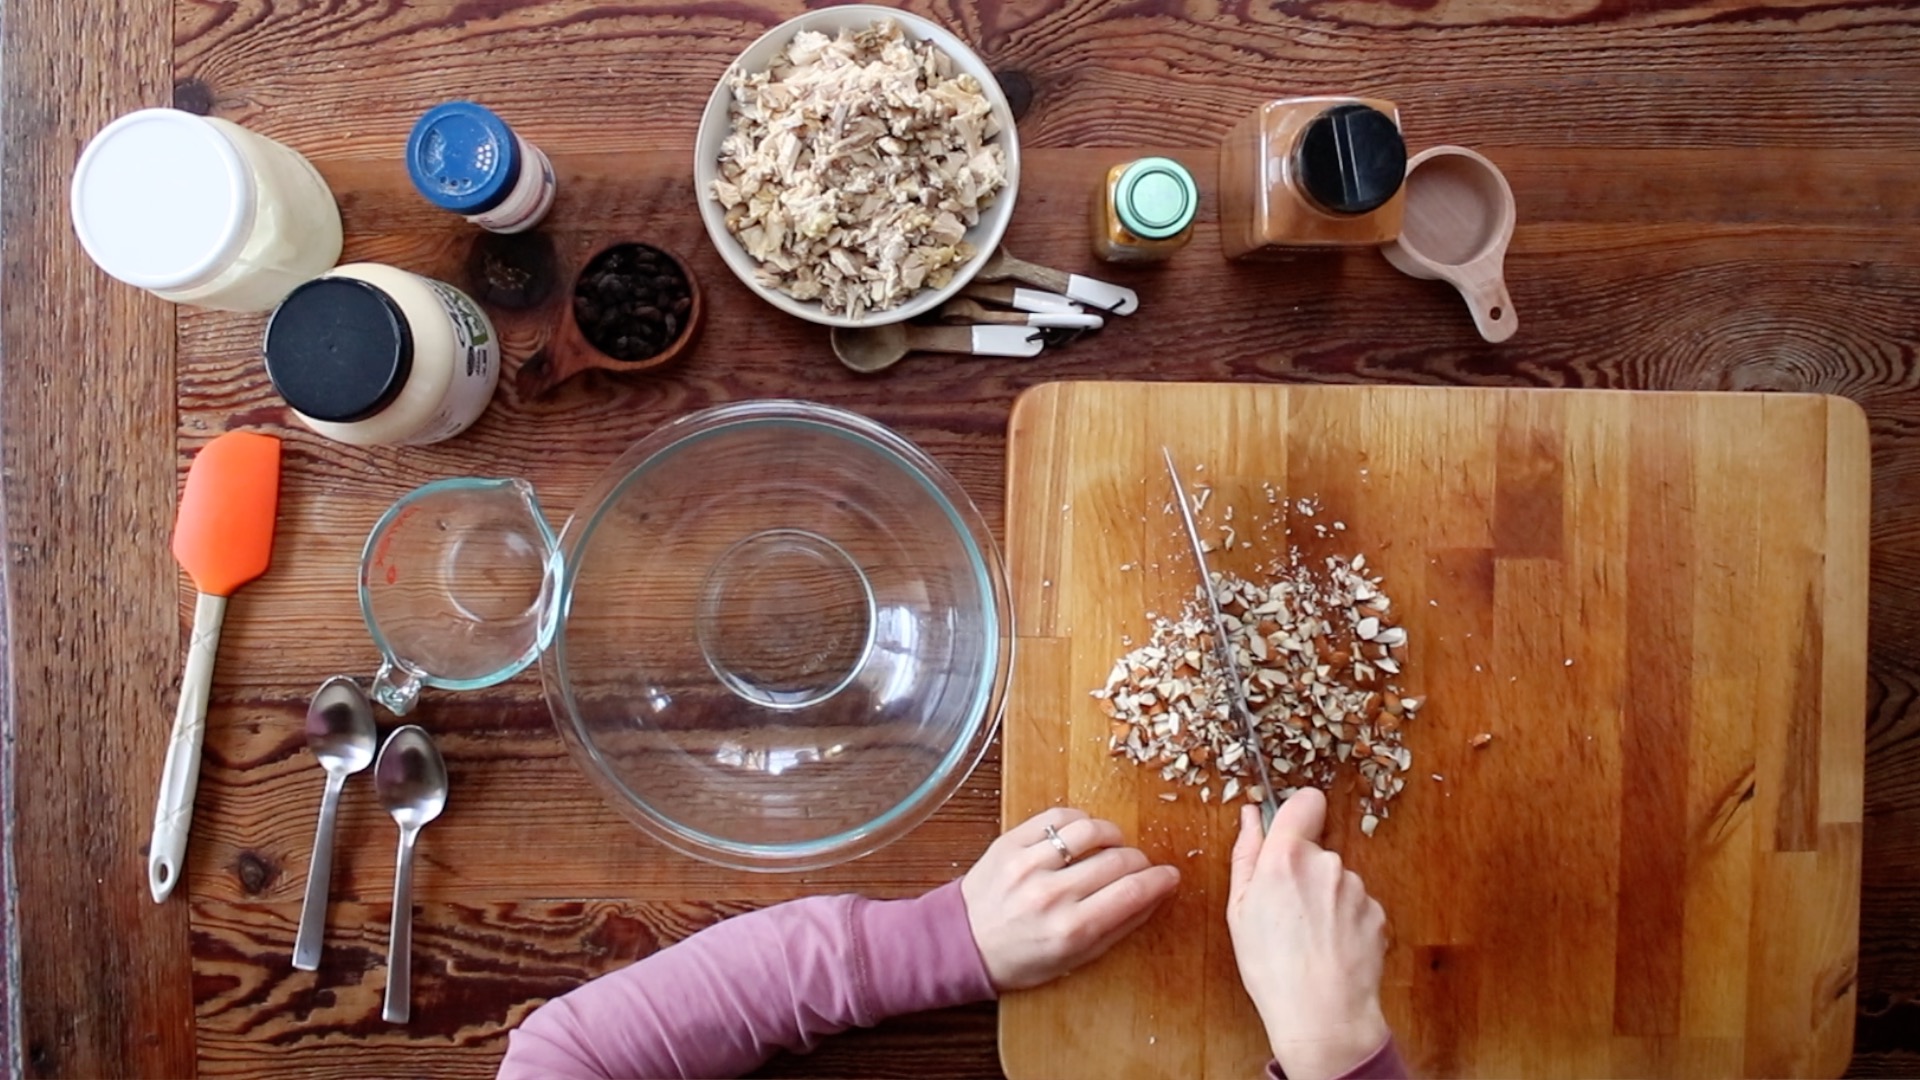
(456, 586)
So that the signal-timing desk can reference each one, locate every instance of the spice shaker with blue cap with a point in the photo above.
(464, 158)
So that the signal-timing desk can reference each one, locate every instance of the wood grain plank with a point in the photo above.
(1842, 736)
(88, 489)
(1115, 75)
(1034, 616)
(1797, 815)
(1528, 517)
(1729, 480)
(1444, 1006)
(1595, 620)
(1797, 1007)
(1657, 717)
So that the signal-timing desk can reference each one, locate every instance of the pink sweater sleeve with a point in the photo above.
(724, 1000)
(1382, 1064)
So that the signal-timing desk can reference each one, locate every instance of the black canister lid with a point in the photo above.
(1352, 158)
(338, 349)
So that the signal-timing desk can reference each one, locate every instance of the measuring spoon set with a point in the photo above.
(411, 779)
(1053, 310)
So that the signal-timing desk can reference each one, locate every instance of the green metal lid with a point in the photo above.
(1156, 198)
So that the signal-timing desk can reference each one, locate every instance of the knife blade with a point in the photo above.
(1223, 648)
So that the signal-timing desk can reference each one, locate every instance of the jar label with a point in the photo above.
(476, 367)
(530, 199)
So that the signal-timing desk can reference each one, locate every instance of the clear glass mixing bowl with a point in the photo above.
(784, 639)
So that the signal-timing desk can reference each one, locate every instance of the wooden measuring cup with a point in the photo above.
(568, 352)
(1459, 220)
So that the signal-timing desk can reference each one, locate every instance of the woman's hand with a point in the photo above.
(1037, 915)
(1309, 940)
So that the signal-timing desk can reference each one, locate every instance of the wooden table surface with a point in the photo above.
(1711, 196)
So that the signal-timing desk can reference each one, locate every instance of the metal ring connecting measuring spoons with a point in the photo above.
(1059, 845)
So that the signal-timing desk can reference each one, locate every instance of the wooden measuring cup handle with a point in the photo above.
(1492, 308)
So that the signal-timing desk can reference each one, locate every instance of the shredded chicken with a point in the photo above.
(856, 165)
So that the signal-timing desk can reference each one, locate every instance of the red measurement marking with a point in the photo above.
(386, 541)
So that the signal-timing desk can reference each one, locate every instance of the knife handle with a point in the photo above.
(173, 813)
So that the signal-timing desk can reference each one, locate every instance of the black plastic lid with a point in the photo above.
(1352, 158)
(338, 349)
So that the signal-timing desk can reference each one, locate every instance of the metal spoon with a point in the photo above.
(412, 781)
(341, 734)
(868, 349)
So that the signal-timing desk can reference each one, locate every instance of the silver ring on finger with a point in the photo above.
(1060, 845)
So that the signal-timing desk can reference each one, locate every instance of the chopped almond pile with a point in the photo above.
(1320, 654)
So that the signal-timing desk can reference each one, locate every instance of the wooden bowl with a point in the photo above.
(1459, 221)
(568, 352)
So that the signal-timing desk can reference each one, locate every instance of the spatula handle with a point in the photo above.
(173, 814)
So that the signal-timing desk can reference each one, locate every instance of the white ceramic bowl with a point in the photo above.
(714, 127)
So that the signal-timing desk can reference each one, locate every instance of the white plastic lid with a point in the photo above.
(162, 200)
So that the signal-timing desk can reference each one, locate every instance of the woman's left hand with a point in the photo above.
(1038, 911)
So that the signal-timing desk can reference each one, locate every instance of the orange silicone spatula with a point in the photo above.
(223, 538)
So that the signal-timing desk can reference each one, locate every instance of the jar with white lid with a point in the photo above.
(464, 158)
(199, 210)
(372, 355)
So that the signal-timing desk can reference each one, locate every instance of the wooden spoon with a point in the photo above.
(1459, 220)
(1108, 298)
(963, 311)
(868, 349)
(1018, 297)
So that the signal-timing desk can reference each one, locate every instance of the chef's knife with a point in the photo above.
(1223, 649)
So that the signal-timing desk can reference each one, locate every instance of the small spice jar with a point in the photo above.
(1312, 172)
(376, 356)
(199, 210)
(1143, 211)
(465, 159)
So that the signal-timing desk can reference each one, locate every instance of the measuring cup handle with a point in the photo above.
(1492, 309)
(396, 686)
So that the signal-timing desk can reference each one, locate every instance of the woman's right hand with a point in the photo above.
(1037, 916)
(1309, 940)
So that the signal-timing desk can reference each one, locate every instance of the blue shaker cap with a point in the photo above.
(462, 157)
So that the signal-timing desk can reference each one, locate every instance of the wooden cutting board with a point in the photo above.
(1656, 603)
